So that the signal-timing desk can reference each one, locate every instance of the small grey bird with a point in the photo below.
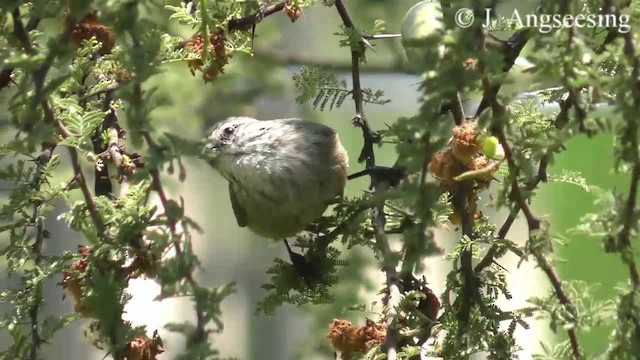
(282, 173)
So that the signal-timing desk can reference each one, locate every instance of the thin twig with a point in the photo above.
(164, 200)
(533, 225)
(560, 121)
(370, 137)
(470, 284)
(460, 204)
(513, 47)
(88, 197)
(36, 341)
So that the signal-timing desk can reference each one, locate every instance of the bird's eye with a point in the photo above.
(229, 130)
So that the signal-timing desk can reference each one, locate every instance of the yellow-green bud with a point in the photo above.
(491, 147)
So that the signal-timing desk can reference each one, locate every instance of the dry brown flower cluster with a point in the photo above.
(88, 27)
(429, 306)
(217, 52)
(73, 279)
(293, 11)
(143, 347)
(465, 154)
(73, 282)
(348, 339)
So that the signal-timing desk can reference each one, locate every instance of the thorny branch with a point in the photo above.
(21, 32)
(511, 48)
(47, 149)
(378, 216)
(560, 121)
(630, 207)
(245, 23)
(156, 184)
(534, 223)
(370, 136)
(541, 176)
(460, 203)
(36, 341)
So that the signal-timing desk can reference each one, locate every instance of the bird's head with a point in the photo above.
(227, 137)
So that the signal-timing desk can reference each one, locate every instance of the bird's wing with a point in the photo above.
(238, 210)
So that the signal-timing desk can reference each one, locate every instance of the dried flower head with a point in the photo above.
(445, 167)
(88, 27)
(293, 11)
(144, 348)
(470, 63)
(217, 51)
(73, 278)
(464, 141)
(429, 305)
(347, 339)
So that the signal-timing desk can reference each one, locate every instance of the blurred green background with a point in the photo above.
(262, 87)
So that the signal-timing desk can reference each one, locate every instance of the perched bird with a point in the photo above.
(282, 173)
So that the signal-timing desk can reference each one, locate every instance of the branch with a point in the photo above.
(460, 204)
(457, 109)
(378, 216)
(560, 121)
(22, 34)
(629, 50)
(370, 137)
(628, 223)
(321, 243)
(19, 31)
(88, 197)
(533, 223)
(512, 49)
(36, 341)
(77, 169)
(471, 292)
(245, 23)
(164, 200)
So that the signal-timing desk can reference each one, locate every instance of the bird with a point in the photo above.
(282, 174)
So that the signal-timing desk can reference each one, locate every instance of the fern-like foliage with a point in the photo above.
(287, 286)
(325, 89)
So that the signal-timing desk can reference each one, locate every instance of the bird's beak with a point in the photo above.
(210, 152)
(210, 147)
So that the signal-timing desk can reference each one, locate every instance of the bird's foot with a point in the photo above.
(393, 175)
(303, 266)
